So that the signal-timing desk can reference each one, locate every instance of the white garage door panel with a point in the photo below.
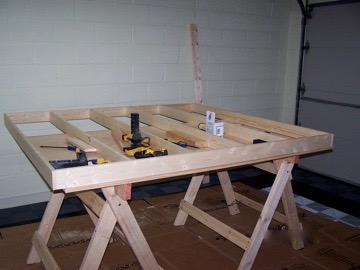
(338, 67)
(343, 162)
(331, 74)
(333, 26)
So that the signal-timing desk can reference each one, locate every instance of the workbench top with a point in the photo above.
(235, 149)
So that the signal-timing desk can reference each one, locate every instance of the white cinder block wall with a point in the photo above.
(77, 53)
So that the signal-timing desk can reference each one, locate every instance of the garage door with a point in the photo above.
(331, 75)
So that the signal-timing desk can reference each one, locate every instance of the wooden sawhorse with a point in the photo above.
(106, 214)
(281, 187)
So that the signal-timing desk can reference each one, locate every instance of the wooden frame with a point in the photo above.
(280, 151)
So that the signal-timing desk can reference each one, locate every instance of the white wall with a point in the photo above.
(292, 63)
(76, 53)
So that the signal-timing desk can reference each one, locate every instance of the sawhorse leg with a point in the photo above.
(292, 218)
(190, 196)
(131, 229)
(194, 188)
(281, 180)
(228, 191)
(47, 223)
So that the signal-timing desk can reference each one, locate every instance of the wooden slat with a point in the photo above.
(228, 191)
(95, 203)
(71, 130)
(99, 239)
(168, 125)
(216, 225)
(141, 170)
(79, 143)
(266, 215)
(131, 229)
(256, 122)
(292, 218)
(258, 206)
(39, 161)
(190, 196)
(186, 138)
(44, 253)
(230, 129)
(47, 224)
(101, 118)
(196, 63)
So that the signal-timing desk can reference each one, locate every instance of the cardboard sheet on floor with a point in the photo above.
(328, 245)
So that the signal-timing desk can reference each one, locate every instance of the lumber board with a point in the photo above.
(100, 117)
(131, 229)
(228, 191)
(44, 253)
(79, 143)
(100, 239)
(72, 130)
(187, 138)
(216, 225)
(266, 215)
(196, 63)
(47, 224)
(292, 218)
(190, 196)
(232, 129)
(255, 122)
(30, 151)
(222, 153)
(258, 206)
(142, 170)
(95, 203)
(169, 125)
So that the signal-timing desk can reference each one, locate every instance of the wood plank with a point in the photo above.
(125, 172)
(47, 223)
(124, 191)
(99, 239)
(131, 229)
(216, 225)
(291, 214)
(80, 144)
(72, 130)
(28, 117)
(256, 122)
(196, 62)
(266, 215)
(95, 203)
(190, 196)
(258, 206)
(230, 129)
(187, 138)
(105, 120)
(44, 253)
(39, 161)
(228, 191)
(168, 125)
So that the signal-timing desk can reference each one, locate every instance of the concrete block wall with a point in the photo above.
(79, 53)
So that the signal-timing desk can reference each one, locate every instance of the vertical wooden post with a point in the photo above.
(47, 223)
(196, 62)
(271, 203)
(190, 196)
(228, 192)
(131, 229)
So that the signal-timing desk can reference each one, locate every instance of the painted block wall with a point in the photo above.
(78, 53)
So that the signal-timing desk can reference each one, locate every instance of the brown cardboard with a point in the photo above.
(296, 263)
(328, 245)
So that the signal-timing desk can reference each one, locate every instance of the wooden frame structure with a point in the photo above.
(281, 150)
